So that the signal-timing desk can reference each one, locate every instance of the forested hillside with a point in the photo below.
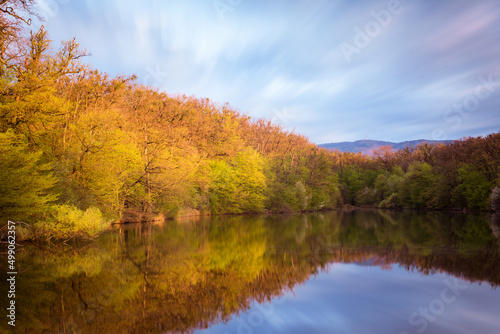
(80, 149)
(459, 175)
(79, 146)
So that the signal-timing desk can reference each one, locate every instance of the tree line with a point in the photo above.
(461, 175)
(80, 149)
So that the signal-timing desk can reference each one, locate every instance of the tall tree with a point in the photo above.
(25, 181)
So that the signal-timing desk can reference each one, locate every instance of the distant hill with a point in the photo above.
(368, 146)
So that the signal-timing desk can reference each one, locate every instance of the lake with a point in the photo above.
(335, 272)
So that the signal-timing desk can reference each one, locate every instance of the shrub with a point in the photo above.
(390, 202)
(67, 221)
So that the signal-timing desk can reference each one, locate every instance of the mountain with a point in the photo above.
(368, 146)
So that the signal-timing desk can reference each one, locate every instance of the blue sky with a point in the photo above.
(332, 70)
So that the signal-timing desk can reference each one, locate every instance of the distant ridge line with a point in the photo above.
(368, 146)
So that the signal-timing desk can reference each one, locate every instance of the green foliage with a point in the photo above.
(282, 198)
(368, 196)
(249, 166)
(353, 179)
(109, 162)
(311, 186)
(390, 202)
(25, 182)
(382, 187)
(474, 188)
(238, 186)
(223, 189)
(459, 175)
(66, 222)
(416, 189)
(303, 195)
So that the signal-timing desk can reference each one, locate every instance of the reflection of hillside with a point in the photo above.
(189, 275)
(480, 266)
(463, 246)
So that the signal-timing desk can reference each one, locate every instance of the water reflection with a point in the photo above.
(191, 275)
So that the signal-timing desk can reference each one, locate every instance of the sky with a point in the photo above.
(333, 71)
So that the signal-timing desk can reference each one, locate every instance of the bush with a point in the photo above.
(67, 221)
(390, 202)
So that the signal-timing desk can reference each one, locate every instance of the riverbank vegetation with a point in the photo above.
(81, 149)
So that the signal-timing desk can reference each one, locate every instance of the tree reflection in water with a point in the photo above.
(187, 275)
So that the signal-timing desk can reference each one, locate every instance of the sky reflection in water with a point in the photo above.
(354, 298)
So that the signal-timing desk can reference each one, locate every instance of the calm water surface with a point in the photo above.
(336, 272)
